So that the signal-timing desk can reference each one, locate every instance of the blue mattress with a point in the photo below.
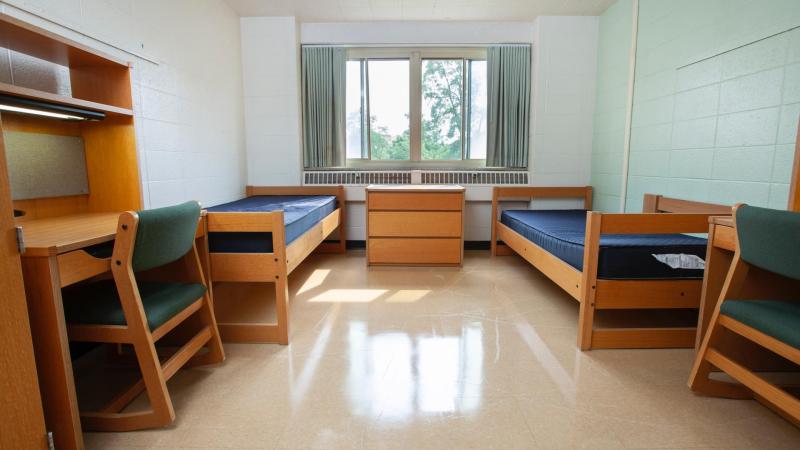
(622, 256)
(300, 214)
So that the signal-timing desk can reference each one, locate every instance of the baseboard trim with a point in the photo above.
(356, 245)
(477, 245)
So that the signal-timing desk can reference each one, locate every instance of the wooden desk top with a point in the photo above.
(726, 221)
(56, 235)
(415, 188)
(724, 234)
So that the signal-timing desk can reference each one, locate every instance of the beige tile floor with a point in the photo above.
(480, 357)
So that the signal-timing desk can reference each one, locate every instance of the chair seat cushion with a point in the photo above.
(99, 304)
(778, 319)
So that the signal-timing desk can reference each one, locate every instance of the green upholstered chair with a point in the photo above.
(768, 241)
(157, 284)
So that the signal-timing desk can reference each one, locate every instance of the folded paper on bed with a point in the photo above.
(681, 261)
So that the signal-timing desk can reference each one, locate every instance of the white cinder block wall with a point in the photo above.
(188, 104)
(565, 67)
(562, 106)
(270, 61)
(564, 84)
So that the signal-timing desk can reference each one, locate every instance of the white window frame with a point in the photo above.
(414, 55)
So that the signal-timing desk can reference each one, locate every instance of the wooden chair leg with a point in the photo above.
(215, 353)
(701, 382)
(155, 383)
(282, 309)
(700, 379)
(120, 422)
(161, 411)
(794, 418)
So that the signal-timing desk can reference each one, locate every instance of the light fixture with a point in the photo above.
(19, 105)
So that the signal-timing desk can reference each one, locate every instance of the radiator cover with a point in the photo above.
(462, 177)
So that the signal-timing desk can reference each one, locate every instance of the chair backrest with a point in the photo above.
(164, 235)
(770, 239)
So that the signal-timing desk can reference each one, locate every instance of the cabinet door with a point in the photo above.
(21, 416)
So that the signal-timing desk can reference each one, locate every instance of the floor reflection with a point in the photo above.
(301, 383)
(403, 375)
(548, 361)
(399, 375)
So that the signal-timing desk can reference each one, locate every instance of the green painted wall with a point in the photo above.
(614, 43)
(716, 101)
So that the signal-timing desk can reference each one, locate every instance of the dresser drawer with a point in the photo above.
(416, 201)
(414, 251)
(415, 224)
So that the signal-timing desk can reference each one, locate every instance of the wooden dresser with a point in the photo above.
(415, 225)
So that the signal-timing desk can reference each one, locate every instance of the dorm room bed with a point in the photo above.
(263, 238)
(619, 271)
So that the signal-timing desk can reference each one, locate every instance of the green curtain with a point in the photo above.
(323, 85)
(509, 90)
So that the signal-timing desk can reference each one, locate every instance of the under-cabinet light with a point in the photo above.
(19, 105)
(37, 112)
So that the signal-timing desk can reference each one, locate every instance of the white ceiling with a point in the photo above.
(364, 10)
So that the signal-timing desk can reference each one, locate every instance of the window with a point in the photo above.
(442, 108)
(416, 105)
(354, 104)
(388, 106)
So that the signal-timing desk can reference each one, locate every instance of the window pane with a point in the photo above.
(353, 111)
(388, 109)
(442, 108)
(478, 102)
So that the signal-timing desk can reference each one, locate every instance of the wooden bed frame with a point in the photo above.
(272, 267)
(595, 294)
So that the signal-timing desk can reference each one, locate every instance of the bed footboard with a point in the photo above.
(276, 266)
(637, 294)
(241, 267)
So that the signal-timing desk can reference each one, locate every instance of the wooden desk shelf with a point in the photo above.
(94, 76)
(49, 97)
(98, 82)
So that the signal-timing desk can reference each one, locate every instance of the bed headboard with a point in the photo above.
(295, 190)
(532, 192)
(659, 204)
